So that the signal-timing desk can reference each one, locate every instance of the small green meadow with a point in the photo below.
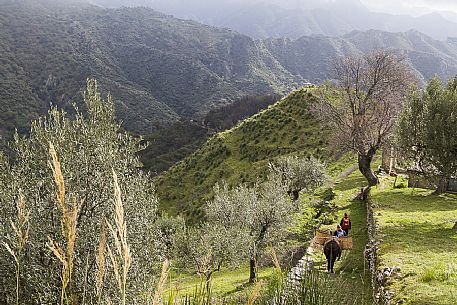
(415, 233)
(225, 283)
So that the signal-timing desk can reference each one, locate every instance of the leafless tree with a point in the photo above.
(362, 110)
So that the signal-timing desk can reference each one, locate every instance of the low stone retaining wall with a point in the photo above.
(379, 278)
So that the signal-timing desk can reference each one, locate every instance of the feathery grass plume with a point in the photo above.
(58, 177)
(274, 259)
(161, 284)
(21, 228)
(120, 241)
(86, 275)
(255, 293)
(100, 262)
(69, 222)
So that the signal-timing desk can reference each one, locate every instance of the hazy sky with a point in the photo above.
(414, 7)
(411, 6)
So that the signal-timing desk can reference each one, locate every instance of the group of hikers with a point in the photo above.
(343, 228)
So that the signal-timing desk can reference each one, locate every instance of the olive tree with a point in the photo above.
(427, 129)
(362, 112)
(209, 248)
(90, 147)
(263, 210)
(299, 174)
(169, 230)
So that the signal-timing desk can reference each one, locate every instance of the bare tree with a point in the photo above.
(362, 111)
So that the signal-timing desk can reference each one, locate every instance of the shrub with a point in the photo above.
(441, 273)
(327, 194)
(90, 146)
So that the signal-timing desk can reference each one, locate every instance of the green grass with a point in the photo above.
(351, 268)
(241, 154)
(226, 283)
(415, 228)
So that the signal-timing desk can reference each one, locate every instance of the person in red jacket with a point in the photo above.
(345, 224)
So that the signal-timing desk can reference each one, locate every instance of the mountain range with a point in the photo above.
(161, 69)
(273, 19)
(158, 68)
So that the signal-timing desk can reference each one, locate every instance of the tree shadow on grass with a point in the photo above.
(418, 238)
(354, 181)
(409, 201)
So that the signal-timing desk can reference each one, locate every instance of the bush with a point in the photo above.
(327, 194)
(441, 273)
(90, 147)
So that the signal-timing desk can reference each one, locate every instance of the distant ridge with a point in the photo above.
(274, 19)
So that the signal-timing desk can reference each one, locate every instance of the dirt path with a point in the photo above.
(351, 268)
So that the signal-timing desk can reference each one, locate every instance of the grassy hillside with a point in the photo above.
(172, 143)
(352, 266)
(242, 153)
(416, 235)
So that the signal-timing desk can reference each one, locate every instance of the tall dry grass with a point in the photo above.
(68, 221)
(123, 259)
(21, 227)
(255, 293)
(161, 284)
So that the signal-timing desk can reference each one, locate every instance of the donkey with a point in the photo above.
(332, 251)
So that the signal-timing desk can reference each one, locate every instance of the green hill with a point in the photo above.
(172, 143)
(242, 153)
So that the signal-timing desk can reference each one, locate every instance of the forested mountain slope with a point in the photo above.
(278, 18)
(161, 69)
(313, 56)
(157, 67)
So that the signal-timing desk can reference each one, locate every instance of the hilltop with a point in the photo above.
(241, 154)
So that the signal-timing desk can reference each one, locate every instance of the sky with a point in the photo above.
(411, 7)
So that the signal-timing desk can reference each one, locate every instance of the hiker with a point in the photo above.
(345, 224)
(339, 231)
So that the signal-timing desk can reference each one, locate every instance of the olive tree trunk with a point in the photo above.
(252, 270)
(442, 186)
